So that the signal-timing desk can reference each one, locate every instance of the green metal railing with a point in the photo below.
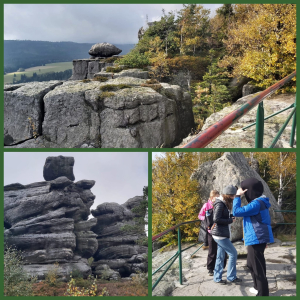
(179, 251)
(176, 255)
(210, 134)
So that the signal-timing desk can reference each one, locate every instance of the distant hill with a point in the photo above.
(26, 54)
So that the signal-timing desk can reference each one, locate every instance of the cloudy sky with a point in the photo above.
(118, 175)
(82, 23)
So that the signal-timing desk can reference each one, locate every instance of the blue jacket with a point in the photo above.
(257, 221)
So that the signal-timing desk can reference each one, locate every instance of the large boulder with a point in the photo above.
(48, 221)
(104, 50)
(232, 168)
(134, 115)
(58, 166)
(24, 110)
(119, 237)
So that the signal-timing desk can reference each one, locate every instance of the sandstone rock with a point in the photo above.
(235, 137)
(231, 168)
(60, 183)
(117, 247)
(85, 184)
(78, 114)
(57, 166)
(48, 221)
(104, 50)
(23, 111)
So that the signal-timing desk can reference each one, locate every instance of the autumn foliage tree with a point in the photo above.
(261, 43)
(175, 197)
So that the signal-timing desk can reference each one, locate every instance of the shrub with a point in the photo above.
(16, 281)
(111, 59)
(155, 87)
(76, 274)
(100, 78)
(73, 290)
(134, 59)
(114, 87)
(114, 69)
(105, 95)
(108, 87)
(85, 80)
(51, 277)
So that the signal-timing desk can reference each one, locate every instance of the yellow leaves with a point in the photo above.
(261, 43)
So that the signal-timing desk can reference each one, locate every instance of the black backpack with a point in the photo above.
(209, 218)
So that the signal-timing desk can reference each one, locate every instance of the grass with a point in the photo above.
(114, 288)
(55, 67)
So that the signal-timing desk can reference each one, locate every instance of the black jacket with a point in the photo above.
(221, 219)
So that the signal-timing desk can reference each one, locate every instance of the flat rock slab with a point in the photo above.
(281, 274)
(235, 137)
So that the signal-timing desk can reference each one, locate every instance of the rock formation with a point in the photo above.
(232, 168)
(48, 221)
(104, 50)
(119, 236)
(79, 114)
(235, 137)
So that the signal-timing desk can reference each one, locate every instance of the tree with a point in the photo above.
(261, 44)
(16, 281)
(175, 197)
(193, 24)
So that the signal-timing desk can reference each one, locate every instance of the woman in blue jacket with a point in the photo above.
(257, 230)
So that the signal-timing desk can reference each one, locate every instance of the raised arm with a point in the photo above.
(248, 210)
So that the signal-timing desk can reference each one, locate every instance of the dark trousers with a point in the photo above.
(257, 264)
(212, 253)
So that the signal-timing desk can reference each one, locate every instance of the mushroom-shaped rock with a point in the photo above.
(58, 166)
(104, 50)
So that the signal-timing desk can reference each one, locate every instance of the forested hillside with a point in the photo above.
(252, 42)
(26, 54)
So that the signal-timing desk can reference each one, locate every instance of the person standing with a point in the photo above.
(221, 235)
(205, 214)
(257, 230)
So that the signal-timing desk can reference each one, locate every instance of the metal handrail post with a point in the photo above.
(180, 256)
(259, 134)
(292, 140)
(282, 128)
(268, 117)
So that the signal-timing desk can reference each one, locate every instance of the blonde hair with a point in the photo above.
(213, 193)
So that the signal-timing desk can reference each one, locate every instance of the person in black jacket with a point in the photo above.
(221, 234)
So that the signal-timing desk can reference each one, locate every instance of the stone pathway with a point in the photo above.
(281, 273)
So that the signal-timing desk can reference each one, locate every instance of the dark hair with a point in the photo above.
(228, 201)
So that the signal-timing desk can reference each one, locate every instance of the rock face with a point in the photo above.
(232, 168)
(119, 252)
(24, 110)
(77, 114)
(104, 50)
(48, 221)
(235, 137)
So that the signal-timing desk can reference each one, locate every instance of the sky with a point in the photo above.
(119, 176)
(82, 23)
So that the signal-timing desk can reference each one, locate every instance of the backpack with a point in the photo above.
(209, 218)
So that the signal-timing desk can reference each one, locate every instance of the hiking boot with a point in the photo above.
(205, 247)
(236, 281)
(221, 282)
(210, 273)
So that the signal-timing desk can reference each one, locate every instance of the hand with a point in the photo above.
(233, 219)
(241, 192)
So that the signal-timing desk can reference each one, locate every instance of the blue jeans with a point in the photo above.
(225, 246)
